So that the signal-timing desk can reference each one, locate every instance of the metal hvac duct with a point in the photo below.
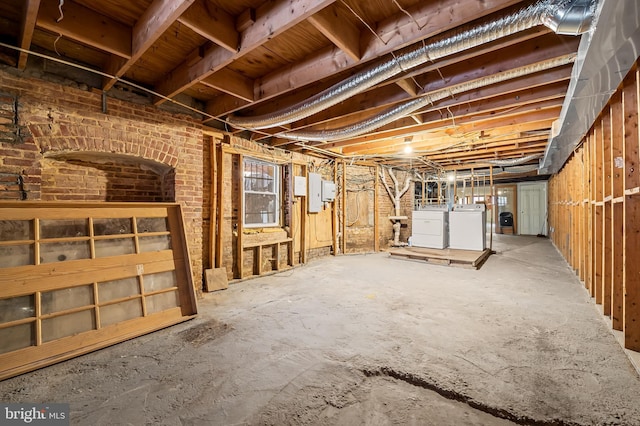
(415, 104)
(560, 15)
(513, 161)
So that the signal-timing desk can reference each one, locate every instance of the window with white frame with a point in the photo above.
(261, 196)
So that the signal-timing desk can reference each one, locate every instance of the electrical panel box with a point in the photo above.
(315, 192)
(328, 191)
(300, 186)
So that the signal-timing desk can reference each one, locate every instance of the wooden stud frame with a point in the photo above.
(595, 210)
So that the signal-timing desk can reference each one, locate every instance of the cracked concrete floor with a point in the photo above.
(366, 339)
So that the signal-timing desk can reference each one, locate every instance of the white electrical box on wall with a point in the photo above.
(300, 186)
(315, 192)
(328, 191)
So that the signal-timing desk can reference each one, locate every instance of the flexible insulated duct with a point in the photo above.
(415, 104)
(513, 161)
(560, 15)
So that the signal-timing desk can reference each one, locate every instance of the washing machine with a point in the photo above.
(467, 227)
(430, 227)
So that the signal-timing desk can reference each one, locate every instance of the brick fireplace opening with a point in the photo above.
(99, 176)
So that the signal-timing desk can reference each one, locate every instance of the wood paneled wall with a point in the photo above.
(595, 210)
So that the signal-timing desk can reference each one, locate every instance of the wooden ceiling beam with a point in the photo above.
(530, 52)
(340, 31)
(512, 93)
(212, 23)
(82, 24)
(441, 139)
(155, 20)
(508, 135)
(356, 108)
(529, 110)
(27, 26)
(394, 33)
(272, 19)
(310, 90)
(232, 83)
(410, 86)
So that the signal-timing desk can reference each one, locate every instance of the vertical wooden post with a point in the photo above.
(376, 210)
(494, 207)
(472, 185)
(606, 214)
(344, 207)
(617, 184)
(213, 169)
(598, 209)
(240, 218)
(589, 213)
(303, 221)
(631, 287)
(334, 218)
(424, 187)
(219, 205)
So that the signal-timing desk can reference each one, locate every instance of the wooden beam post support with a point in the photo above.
(599, 209)
(240, 217)
(219, 204)
(376, 209)
(589, 219)
(343, 196)
(334, 214)
(303, 221)
(494, 205)
(606, 214)
(631, 288)
(213, 170)
(617, 184)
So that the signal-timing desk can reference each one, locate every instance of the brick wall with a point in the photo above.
(71, 150)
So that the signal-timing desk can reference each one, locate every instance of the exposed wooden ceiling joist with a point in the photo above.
(254, 57)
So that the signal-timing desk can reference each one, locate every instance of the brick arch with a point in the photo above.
(104, 137)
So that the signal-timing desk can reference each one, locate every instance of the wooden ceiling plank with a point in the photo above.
(82, 24)
(302, 93)
(463, 125)
(212, 23)
(386, 95)
(440, 15)
(27, 26)
(448, 146)
(272, 18)
(155, 20)
(547, 84)
(340, 31)
(446, 122)
(231, 82)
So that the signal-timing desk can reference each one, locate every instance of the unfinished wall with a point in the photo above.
(246, 252)
(68, 149)
(594, 211)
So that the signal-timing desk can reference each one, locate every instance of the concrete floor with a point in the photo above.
(369, 340)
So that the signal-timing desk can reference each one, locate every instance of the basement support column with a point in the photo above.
(220, 204)
(376, 211)
(240, 217)
(494, 210)
(334, 215)
(344, 207)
